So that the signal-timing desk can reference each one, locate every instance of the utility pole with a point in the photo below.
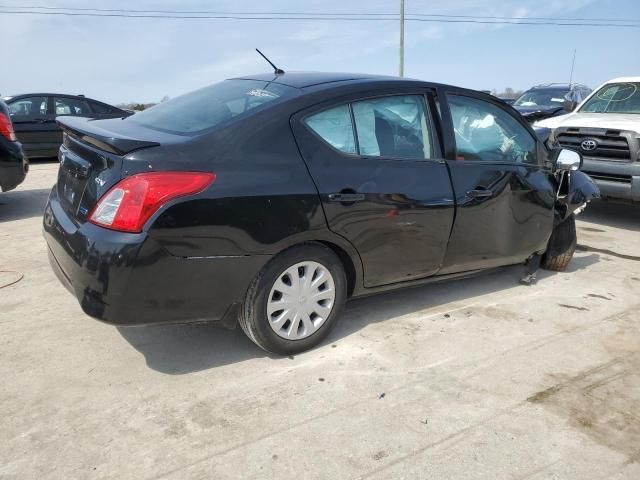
(402, 38)
(573, 62)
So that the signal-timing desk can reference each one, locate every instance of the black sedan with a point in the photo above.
(13, 164)
(270, 200)
(34, 118)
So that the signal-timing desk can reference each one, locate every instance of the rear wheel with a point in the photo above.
(295, 300)
(562, 246)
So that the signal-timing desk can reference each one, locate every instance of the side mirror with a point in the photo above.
(568, 160)
(569, 105)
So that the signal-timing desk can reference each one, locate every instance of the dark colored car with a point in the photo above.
(270, 200)
(13, 164)
(550, 100)
(34, 118)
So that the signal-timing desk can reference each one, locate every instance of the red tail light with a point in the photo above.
(6, 128)
(128, 205)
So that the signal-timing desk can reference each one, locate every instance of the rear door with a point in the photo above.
(382, 179)
(35, 126)
(504, 193)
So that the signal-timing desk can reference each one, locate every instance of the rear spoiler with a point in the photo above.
(89, 131)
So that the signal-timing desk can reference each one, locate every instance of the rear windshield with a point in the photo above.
(615, 98)
(205, 108)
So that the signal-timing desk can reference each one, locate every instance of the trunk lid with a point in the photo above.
(91, 159)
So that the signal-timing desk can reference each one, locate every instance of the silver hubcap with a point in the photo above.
(301, 300)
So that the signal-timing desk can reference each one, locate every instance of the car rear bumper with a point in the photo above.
(616, 180)
(13, 165)
(129, 279)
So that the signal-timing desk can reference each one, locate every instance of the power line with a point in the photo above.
(333, 14)
(314, 18)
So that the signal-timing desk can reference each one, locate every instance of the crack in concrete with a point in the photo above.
(587, 248)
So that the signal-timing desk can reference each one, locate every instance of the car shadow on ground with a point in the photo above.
(21, 204)
(183, 349)
(618, 215)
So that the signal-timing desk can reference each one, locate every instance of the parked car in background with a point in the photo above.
(550, 100)
(34, 118)
(270, 199)
(13, 164)
(605, 128)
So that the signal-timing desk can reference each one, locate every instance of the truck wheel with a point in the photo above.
(295, 300)
(561, 246)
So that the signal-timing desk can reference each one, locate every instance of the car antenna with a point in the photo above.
(276, 70)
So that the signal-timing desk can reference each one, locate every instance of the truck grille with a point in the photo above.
(610, 177)
(607, 144)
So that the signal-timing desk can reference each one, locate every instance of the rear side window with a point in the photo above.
(484, 132)
(71, 106)
(389, 127)
(29, 107)
(101, 108)
(205, 108)
(394, 127)
(334, 127)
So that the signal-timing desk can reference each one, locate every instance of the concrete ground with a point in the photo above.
(481, 378)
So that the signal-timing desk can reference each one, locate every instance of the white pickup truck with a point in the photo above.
(605, 128)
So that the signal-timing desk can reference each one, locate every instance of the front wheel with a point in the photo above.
(295, 300)
(562, 245)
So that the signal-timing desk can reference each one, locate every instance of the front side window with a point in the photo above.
(393, 127)
(615, 98)
(334, 127)
(210, 106)
(71, 106)
(485, 132)
(29, 107)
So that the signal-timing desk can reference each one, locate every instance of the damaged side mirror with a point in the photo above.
(568, 160)
(575, 188)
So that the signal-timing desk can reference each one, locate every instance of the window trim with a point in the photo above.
(497, 103)
(427, 94)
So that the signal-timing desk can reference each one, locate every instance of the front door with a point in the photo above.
(35, 126)
(504, 194)
(382, 180)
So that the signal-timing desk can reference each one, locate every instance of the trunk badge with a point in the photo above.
(100, 181)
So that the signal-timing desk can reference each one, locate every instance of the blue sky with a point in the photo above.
(125, 59)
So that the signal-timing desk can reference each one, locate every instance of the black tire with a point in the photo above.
(562, 246)
(254, 320)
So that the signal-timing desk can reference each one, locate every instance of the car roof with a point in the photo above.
(623, 79)
(556, 86)
(310, 79)
(44, 94)
(41, 94)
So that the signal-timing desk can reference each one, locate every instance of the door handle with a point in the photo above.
(346, 197)
(480, 193)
